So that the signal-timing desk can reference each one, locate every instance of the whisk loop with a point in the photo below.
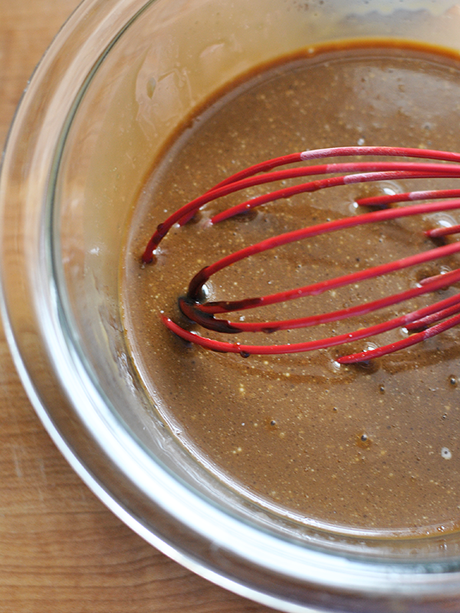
(420, 324)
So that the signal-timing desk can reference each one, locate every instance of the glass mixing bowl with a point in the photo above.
(116, 83)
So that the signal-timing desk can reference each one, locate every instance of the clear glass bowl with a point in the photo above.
(118, 80)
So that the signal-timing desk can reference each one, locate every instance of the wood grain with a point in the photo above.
(61, 550)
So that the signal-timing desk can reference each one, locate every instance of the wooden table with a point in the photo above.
(61, 550)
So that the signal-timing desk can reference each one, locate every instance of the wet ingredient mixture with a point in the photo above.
(375, 446)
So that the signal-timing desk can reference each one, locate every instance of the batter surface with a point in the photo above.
(373, 447)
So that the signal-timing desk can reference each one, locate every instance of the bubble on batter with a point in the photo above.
(390, 190)
(353, 206)
(206, 291)
(370, 346)
(336, 366)
(363, 440)
(444, 221)
(446, 453)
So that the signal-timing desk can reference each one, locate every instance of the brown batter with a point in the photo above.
(373, 447)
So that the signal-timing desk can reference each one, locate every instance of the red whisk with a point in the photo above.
(421, 324)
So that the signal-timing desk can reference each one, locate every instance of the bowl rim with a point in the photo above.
(59, 370)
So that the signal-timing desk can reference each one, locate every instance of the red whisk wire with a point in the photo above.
(387, 199)
(247, 178)
(340, 339)
(204, 275)
(419, 325)
(193, 311)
